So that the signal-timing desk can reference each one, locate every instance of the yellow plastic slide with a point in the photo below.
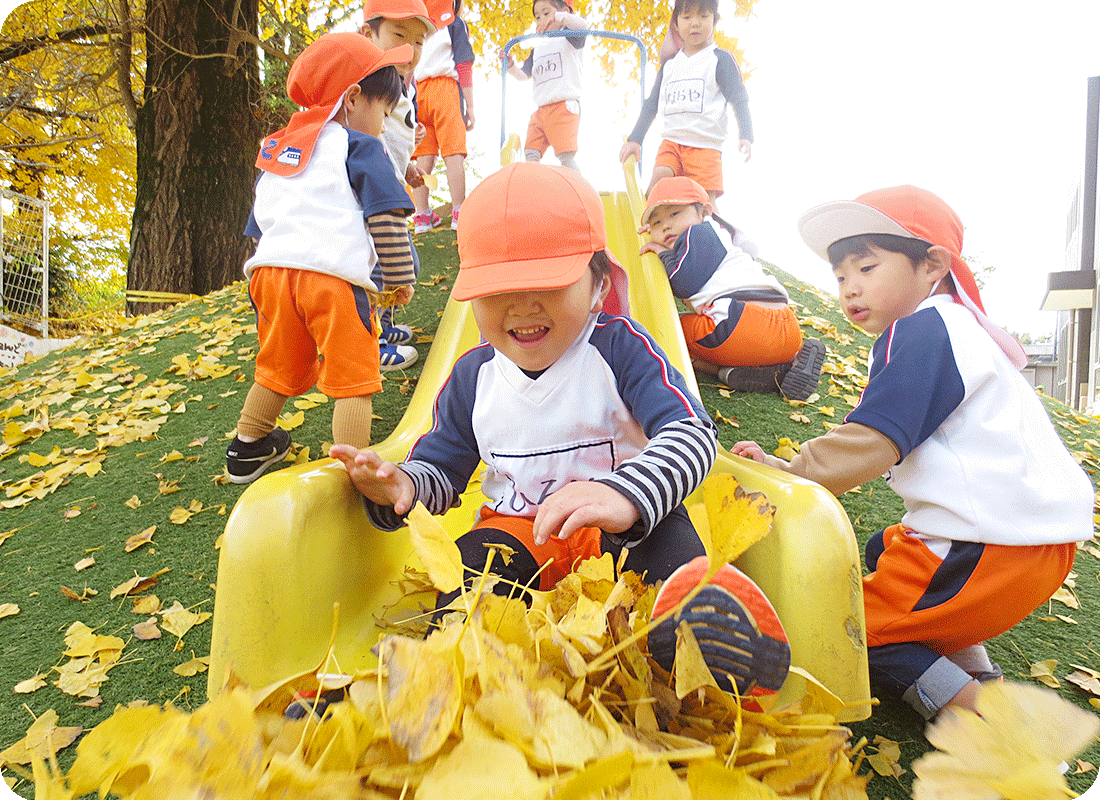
(298, 540)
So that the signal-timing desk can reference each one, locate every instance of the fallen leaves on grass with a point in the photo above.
(43, 739)
(137, 584)
(8, 610)
(139, 539)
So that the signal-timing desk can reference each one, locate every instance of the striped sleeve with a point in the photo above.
(669, 468)
(391, 242)
(432, 489)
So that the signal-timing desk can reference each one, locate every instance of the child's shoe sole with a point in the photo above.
(801, 380)
(740, 636)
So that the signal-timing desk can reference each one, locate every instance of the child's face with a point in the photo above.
(696, 28)
(880, 288)
(534, 328)
(366, 115)
(396, 32)
(546, 16)
(666, 223)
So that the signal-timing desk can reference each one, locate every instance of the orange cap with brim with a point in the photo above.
(529, 227)
(675, 191)
(442, 12)
(915, 214)
(318, 80)
(399, 9)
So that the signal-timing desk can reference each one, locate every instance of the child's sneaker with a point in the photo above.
(739, 633)
(396, 356)
(396, 334)
(801, 380)
(764, 380)
(425, 220)
(454, 219)
(246, 461)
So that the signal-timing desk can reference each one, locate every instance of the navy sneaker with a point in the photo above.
(740, 635)
(246, 461)
(396, 356)
(396, 334)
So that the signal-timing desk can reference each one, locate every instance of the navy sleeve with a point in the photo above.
(649, 110)
(529, 64)
(372, 178)
(914, 383)
(252, 228)
(728, 76)
(651, 387)
(461, 48)
(696, 254)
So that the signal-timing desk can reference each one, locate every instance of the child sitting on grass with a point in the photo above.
(589, 436)
(741, 327)
(994, 503)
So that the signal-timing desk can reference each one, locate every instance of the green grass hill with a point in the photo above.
(111, 468)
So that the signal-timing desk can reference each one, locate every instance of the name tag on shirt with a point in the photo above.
(546, 68)
(684, 96)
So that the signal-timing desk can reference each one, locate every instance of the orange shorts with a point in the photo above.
(313, 328)
(439, 107)
(702, 164)
(554, 125)
(566, 553)
(1005, 585)
(760, 336)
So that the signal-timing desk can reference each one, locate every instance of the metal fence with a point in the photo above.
(24, 261)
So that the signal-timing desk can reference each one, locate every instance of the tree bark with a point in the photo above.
(197, 132)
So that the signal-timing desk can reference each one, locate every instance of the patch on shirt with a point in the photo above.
(290, 156)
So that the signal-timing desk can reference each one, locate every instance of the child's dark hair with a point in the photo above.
(916, 250)
(384, 84)
(680, 6)
(600, 265)
(375, 24)
(560, 5)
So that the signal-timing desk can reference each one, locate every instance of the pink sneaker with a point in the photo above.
(425, 220)
(454, 220)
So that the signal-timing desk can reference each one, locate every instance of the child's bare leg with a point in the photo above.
(351, 421)
(422, 194)
(261, 408)
(967, 697)
(658, 173)
(456, 178)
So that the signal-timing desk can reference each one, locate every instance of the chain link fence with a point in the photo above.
(24, 262)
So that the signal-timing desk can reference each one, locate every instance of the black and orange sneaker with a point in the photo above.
(739, 633)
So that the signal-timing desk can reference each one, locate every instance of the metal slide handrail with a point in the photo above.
(568, 33)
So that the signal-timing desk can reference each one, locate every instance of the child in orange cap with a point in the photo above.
(444, 79)
(994, 502)
(590, 437)
(390, 24)
(742, 327)
(555, 65)
(328, 208)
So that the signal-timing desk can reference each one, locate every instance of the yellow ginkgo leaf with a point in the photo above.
(1043, 671)
(289, 422)
(436, 549)
(424, 692)
(691, 670)
(138, 539)
(192, 667)
(8, 610)
(736, 519)
(177, 620)
(43, 738)
(179, 515)
(1012, 750)
(32, 684)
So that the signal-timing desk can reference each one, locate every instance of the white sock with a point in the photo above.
(972, 659)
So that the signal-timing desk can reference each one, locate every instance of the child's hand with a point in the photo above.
(745, 146)
(413, 176)
(421, 132)
(749, 450)
(630, 149)
(378, 480)
(403, 295)
(652, 247)
(582, 504)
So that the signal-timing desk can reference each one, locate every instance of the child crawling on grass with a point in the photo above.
(590, 438)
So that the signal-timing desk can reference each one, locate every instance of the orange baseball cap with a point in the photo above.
(318, 80)
(679, 190)
(529, 227)
(398, 9)
(915, 214)
(442, 12)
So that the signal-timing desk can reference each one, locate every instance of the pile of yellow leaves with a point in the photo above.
(558, 699)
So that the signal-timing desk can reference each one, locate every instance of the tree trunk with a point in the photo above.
(197, 132)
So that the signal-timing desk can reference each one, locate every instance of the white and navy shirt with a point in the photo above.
(443, 51)
(399, 137)
(612, 409)
(708, 268)
(980, 459)
(691, 93)
(316, 220)
(554, 67)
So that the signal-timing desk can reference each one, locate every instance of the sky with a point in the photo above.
(981, 102)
